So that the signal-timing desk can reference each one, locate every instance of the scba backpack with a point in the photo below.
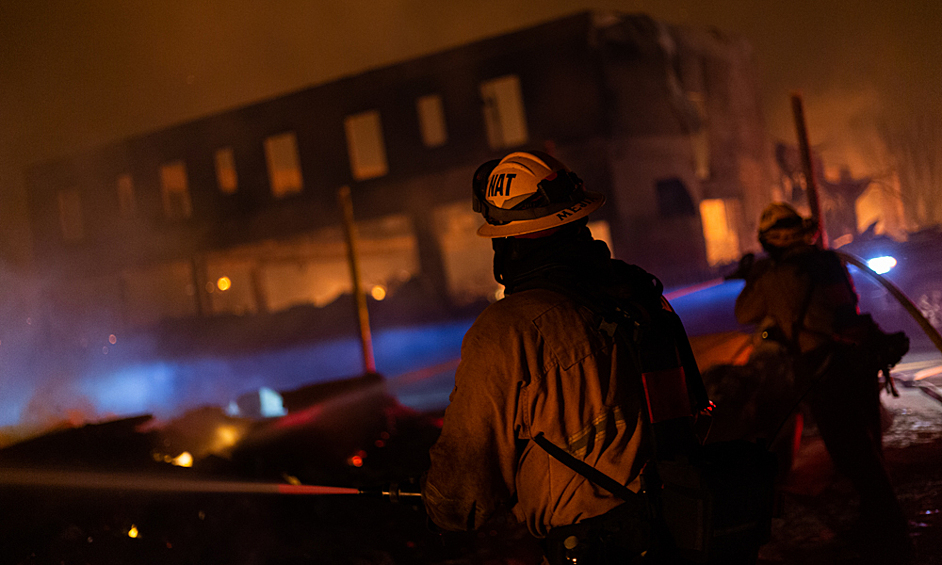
(707, 503)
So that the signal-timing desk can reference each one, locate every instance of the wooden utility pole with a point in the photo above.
(807, 165)
(349, 229)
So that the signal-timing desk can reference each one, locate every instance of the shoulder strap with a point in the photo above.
(588, 471)
(627, 322)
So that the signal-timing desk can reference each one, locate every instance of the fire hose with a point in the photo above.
(930, 330)
(898, 295)
(138, 482)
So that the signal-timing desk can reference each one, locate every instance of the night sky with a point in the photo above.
(77, 74)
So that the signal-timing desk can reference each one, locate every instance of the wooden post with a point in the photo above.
(811, 182)
(199, 278)
(259, 292)
(346, 206)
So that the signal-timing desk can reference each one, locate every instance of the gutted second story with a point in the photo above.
(271, 169)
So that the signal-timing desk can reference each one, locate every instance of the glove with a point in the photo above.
(744, 267)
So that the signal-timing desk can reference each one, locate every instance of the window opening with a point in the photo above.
(504, 115)
(127, 202)
(432, 120)
(175, 191)
(284, 165)
(365, 145)
(673, 199)
(226, 177)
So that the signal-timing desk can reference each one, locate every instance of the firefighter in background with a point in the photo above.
(806, 302)
(535, 362)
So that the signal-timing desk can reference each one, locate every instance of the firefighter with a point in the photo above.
(805, 300)
(536, 363)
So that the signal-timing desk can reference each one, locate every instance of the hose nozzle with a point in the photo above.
(407, 494)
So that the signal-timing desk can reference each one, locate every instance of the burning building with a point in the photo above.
(236, 214)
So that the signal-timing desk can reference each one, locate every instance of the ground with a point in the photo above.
(41, 524)
(818, 510)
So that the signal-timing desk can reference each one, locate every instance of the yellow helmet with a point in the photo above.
(527, 192)
(780, 225)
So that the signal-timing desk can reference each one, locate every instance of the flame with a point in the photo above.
(133, 533)
(926, 373)
(226, 436)
(183, 460)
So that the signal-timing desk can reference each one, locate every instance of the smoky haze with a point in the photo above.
(77, 74)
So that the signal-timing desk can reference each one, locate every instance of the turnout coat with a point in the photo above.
(536, 362)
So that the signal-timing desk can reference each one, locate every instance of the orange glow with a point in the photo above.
(133, 533)
(926, 373)
(722, 242)
(112, 339)
(183, 460)
(842, 241)
(356, 461)
(378, 292)
(223, 283)
(226, 436)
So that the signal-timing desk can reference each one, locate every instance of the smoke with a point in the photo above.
(58, 391)
(79, 74)
(864, 132)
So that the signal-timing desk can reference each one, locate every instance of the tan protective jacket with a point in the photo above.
(808, 290)
(535, 362)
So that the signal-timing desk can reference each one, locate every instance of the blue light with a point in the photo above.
(881, 265)
(271, 403)
(114, 386)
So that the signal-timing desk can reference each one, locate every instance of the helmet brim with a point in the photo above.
(592, 202)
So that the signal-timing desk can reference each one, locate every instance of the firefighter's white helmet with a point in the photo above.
(527, 192)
